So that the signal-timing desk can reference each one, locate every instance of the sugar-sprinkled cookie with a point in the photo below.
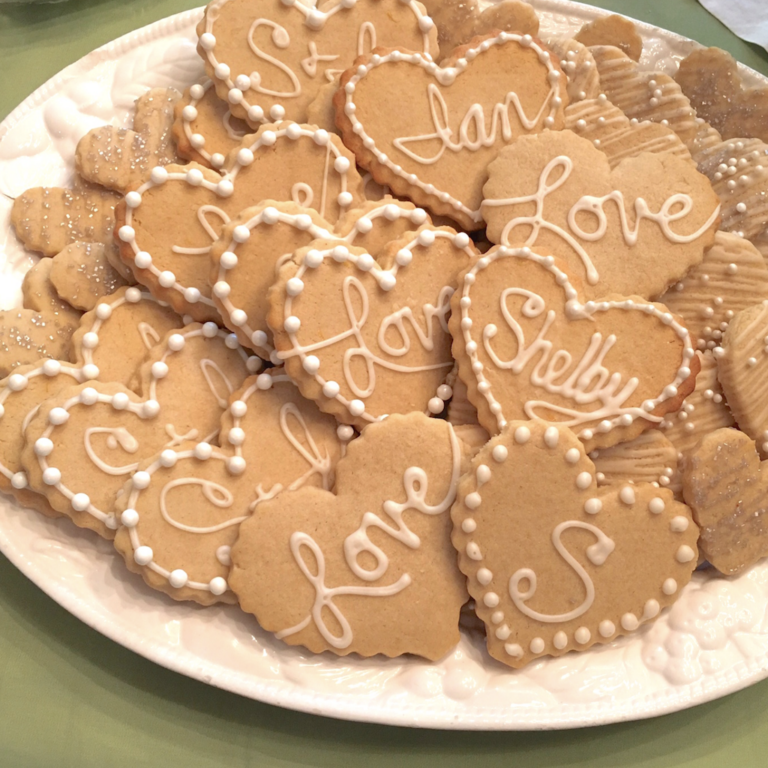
(726, 486)
(614, 30)
(167, 226)
(81, 274)
(369, 568)
(26, 336)
(177, 530)
(566, 564)
(119, 158)
(40, 295)
(710, 78)
(47, 219)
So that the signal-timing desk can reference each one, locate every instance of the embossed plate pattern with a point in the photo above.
(712, 642)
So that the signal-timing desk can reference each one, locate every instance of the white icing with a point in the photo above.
(355, 298)
(416, 485)
(597, 554)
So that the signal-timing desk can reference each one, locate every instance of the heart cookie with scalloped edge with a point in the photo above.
(268, 58)
(742, 368)
(120, 158)
(528, 348)
(261, 239)
(84, 442)
(167, 226)
(368, 568)
(634, 229)
(204, 127)
(726, 485)
(429, 132)
(555, 563)
(178, 528)
(109, 345)
(365, 337)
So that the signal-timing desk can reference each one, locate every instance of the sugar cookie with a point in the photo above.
(177, 530)
(369, 568)
(434, 142)
(568, 564)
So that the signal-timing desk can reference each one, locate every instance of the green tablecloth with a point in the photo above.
(70, 697)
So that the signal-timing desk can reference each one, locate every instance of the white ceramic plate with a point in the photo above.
(711, 643)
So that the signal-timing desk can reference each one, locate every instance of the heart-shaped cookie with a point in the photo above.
(269, 58)
(644, 95)
(369, 568)
(555, 563)
(367, 337)
(261, 239)
(743, 371)
(178, 529)
(732, 277)
(635, 229)
(726, 486)
(109, 345)
(710, 78)
(115, 336)
(84, 442)
(429, 132)
(167, 225)
(527, 348)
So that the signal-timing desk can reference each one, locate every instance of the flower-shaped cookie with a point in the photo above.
(168, 224)
(181, 512)
(555, 563)
(369, 568)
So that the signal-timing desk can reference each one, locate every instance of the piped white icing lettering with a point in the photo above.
(416, 485)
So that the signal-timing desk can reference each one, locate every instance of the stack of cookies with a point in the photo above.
(392, 320)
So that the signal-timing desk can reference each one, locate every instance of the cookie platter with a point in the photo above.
(710, 643)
